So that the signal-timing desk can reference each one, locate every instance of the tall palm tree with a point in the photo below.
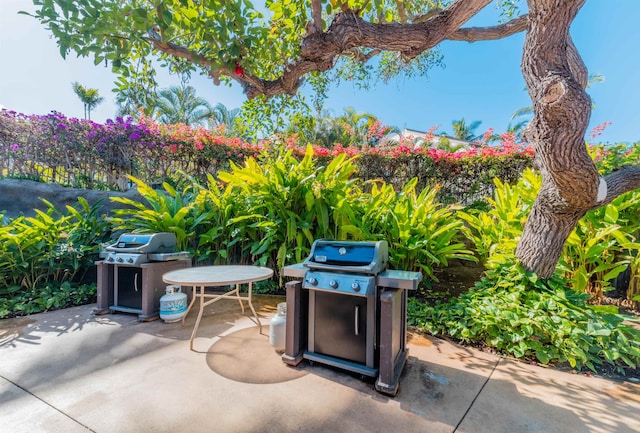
(90, 98)
(465, 131)
(179, 104)
(354, 126)
(221, 115)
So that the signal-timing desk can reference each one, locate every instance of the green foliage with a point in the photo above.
(263, 117)
(600, 246)
(225, 40)
(170, 210)
(50, 246)
(520, 315)
(218, 242)
(598, 249)
(42, 258)
(633, 293)
(496, 231)
(44, 297)
(422, 233)
(288, 204)
(270, 210)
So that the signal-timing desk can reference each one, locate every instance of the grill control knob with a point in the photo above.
(333, 284)
(313, 281)
(130, 259)
(109, 259)
(119, 259)
(355, 286)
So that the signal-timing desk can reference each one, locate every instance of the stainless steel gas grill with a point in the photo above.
(349, 310)
(138, 248)
(130, 277)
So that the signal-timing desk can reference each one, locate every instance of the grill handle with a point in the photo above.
(356, 321)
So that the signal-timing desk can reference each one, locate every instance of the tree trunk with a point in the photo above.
(556, 78)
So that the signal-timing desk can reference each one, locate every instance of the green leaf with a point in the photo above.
(614, 272)
(611, 214)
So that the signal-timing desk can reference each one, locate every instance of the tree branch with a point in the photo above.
(474, 34)
(348, 31)
(626, 179)
(362, 57)
(401, 12)
(316, 16)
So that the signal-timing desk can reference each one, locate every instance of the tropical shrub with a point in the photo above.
(514, 312)
(598, 249)
(633, 293)
(218, 242)
(600, 246)
(422, 233)
(269, 211)
(50, 246)
(495, 231)
(170, 210)
(290, 203)
(49, 296)
(43, 259)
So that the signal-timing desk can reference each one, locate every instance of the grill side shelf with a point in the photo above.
(395, 279)
(294, 271)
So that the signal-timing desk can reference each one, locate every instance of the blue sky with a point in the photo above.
(480, 81)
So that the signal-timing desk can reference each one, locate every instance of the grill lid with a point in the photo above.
(144, 243)
(348, 256)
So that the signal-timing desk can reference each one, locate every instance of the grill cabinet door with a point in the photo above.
(340, 326)
(128, 290)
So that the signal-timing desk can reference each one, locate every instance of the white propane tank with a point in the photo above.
(277, 328)
(173, 305)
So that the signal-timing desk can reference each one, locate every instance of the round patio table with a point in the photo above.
(217, 276)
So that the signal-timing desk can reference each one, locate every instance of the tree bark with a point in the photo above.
(556, 78)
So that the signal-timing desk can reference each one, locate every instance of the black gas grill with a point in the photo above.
(349, 310)
(130, 277)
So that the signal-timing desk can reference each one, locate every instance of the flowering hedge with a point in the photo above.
(86, 154)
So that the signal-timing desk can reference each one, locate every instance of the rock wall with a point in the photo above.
(19, 196)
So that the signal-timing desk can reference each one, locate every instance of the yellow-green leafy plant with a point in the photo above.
(285, 204)
(496, 231)
(422, 233)
(171, 210)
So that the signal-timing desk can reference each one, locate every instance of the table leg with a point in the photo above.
(194, 293)
(251, 306)
(238, 295)
(195, 328)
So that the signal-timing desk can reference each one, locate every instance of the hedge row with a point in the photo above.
(86, 154)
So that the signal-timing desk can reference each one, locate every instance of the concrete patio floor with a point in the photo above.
(70, 371)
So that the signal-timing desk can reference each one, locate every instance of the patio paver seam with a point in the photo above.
(477, 395)
(46, 403)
